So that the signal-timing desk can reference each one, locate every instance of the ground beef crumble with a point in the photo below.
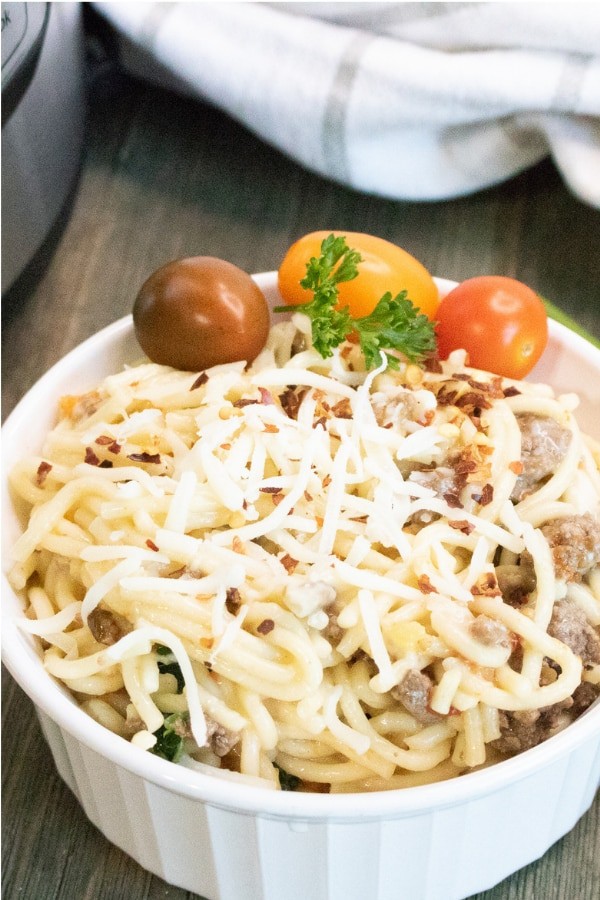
(575, 544)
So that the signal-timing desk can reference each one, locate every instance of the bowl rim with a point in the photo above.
(53, 699)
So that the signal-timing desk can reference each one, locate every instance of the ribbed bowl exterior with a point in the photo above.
(222, 854)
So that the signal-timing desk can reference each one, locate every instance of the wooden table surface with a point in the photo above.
(165, 177)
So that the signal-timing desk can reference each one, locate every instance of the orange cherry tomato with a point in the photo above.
(500, 322)
(384, 267)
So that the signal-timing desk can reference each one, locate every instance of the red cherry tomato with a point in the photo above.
(384, 267)
(200, 312)
(500, 322)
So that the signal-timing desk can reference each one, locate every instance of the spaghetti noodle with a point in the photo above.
(305, 568)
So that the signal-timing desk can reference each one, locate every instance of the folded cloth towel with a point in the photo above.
(417, 101)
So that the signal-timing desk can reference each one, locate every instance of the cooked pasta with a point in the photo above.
(301, 574)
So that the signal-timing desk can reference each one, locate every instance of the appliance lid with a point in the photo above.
(23, 30)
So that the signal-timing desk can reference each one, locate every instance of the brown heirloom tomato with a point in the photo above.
(199, 312)
(384, 267)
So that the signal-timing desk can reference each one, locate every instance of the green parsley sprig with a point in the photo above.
(394, 323)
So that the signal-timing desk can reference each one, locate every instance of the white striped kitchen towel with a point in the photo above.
(416, 101)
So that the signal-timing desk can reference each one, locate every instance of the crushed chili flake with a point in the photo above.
(307, 496)
(266, 626)
(277, 498)
(90, 457)
(319, 520)
(270, 490)
(114, 447)
(145, 457)
(290, 400)
(270, 428)
(322, 420)
(266, 397)
(486, 496)
(233, 600)
(150, 543)
(425, 585)
(289, 563)
(461, 525)
(200, 380)
(474, 399)
(433, 364)
(362, 519)
(516, 467)
(326, 481)
(104, 439)
(511, 391)
(225, 446)
(452, 500)
(237, 545)
(342, 409)
(42, 472)
(486, 586)
(245, 401)
(106, 464)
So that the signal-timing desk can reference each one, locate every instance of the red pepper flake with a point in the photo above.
(433, 364)
(225, 446)
(42, 472)
(516, 467)
(320, 421)
(425, 585)
(511, 391)
(486, 586)
(114, 447)
(463, 466)
(342, 409)
(270, 490)
(271, 429)
(326, 481)
(266, 397)
(90, 457)
(307, 496)
(277, 498)
(151, 545)
(233, 600)
(453, 500)
(237, 545)
(153, 458)
(200, 380)
(105, 464)
(362, 519)
(245, 401)
(462, 525)
(103, 440)
(289, 563)
(319, 520)
(266, 626)
(290, 400)
(486, 496)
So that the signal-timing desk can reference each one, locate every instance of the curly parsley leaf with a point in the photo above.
(169, 738)
(394, 323)
(288, 782)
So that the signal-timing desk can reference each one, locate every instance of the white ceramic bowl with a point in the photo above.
(225, 842)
